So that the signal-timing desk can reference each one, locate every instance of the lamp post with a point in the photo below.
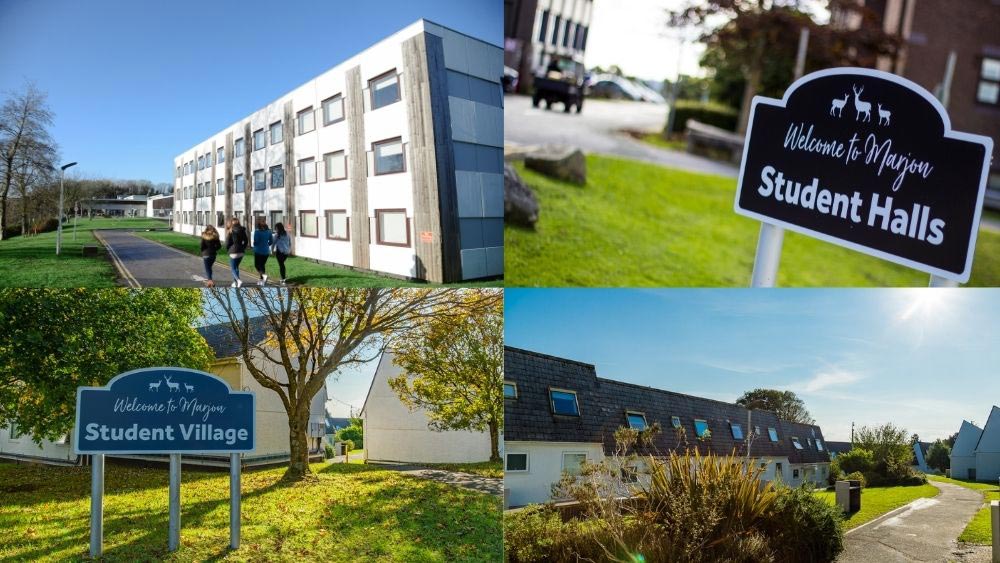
(59, 218)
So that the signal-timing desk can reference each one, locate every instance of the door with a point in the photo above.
(972, 474)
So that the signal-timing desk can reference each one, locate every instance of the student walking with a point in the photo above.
(262, 240)
(210, 245)
(282, 247)
(236, 245)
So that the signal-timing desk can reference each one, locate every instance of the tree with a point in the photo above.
(57, 340)
(950, 440)
(453, 368)
(311, 333)
(785, 404)
(24, 119)
(939, 456)
(890, 448)
(353, 432)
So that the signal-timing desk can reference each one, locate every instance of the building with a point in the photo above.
(975, 456)
(919, 462)
(559, 414)
(391, 161)
(271, 422)
(160, 206)
(535, 30)
(394, 432)
(128, 206)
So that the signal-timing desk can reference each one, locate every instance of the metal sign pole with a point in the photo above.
(174, 540)
(234, 500)
(938, 281)
(96, 505)
(765, 263)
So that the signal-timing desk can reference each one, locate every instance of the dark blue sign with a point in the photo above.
(164, 410)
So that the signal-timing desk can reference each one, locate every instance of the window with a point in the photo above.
(337, 224)
(796, 443)
(220, 219)
(544, 27)
(756, 431)
(572, 463)
(333, 109)
(277, 176)
(795, 474)
(307, 171)
(14, 432)
(555, 31)
(392, 227)
(259, 139)
(307, 224)
(238, 147)
(516, 462)
(306, 120)
(989, 81)
(809, 441)
(509, 390)
(565, 41)
(201, 163)
(277, 135)
(178, 172)
(778, 470)
(737, 431)
(700, 427)
(384, 89)
(220, 187)
(773, 434)
(277, 217)
(819, 444)
(636, 420)
(335, 165)
(564, 402)
(258, 180)
(238, 180)
(389, 156)
(220, 155)
(675, 421)
(208, 159)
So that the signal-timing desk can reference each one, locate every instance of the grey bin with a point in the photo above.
(848, 495)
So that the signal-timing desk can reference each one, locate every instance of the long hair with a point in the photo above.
(210, 233)
(279, 229)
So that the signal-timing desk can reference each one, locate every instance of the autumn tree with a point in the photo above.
(57, 340)
(312, 333)
(786, 404)
(25, 142)
(453, 369)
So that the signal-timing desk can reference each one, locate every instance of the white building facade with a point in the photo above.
(561, 28)
(391, 161)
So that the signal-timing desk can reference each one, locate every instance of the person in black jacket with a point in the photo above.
(210, 245)
(236, 245)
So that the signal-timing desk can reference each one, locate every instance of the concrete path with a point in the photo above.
(145, 263)
(488, 485)
(598, 130)
(924, 530)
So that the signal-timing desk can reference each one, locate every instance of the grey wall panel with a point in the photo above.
(357, 168)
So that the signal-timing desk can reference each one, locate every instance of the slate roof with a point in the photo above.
(224, 342)
(838, 447)
(603, 403)
(334, 424)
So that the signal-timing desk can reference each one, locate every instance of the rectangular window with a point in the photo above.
(220, 155)
(337, 224)
(220, 219)
(384, 89)
(773, 434)
(989, 81)
(307, 171)
(306, 120)
(795, 474)
(796, 443)
(544, 27)
(737, 431)
(569, 26)
(258, 180)
(259, 139)
(509, 390)
(208, 159)
(14, 432)
(307, 224)
(555, 31)
(700, 427)
(564, 402)
(809, 441)
(389, 156)
(277, 176)
(333, 109)
(392, 227)
(819, 444)
(675, 421)
(277, 135)
(336, 165)
(238, 147)
(516, 462)
(220, 187)
(572, 463)
(636, 420)
(779, 471)
(201, 163)
(277, 217)
(238, 181)
(178, 175)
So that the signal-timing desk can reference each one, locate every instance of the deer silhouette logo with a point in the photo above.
(837, 105)
(189, 388)
(861, 107)
(883, 114)
(155, 386)
(171, 385)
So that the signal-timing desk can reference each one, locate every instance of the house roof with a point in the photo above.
(603, 404)
(838, 447)
(967, 440)
(337, 423)
(223, 340)
(988, 432)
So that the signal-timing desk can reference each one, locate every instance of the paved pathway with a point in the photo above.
(924, 530)
(598, 130)
(489, 485)
(145, 263)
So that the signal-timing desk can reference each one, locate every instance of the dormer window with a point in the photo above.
(700, 427)
(796, 443)
(675, 421)
(773, 434)
(564, 402)
(809, 441)
(737, 431)
(819, 444)
(509, 390)
(636, 420)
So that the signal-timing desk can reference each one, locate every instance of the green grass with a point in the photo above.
(639, 224)
(876, 501)
(978, 530)
(351, 512)
(657, 140)
(301, 271)
(484, 468)
(31, 261)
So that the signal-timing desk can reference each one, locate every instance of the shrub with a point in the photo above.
(348, 445)
(835, 473)
(857, 476)
(353, 433)
(858, 459)
(939, 456)
(45, 226)
(537, 533)
(709, 113)
(804, 527)
(327, 451)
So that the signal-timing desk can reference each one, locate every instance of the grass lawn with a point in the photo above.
(638, 224)
(978, 529)
(657, 140)
(301, 271)
(31, 261)
(876, 501)
(484, 468)
(352, 512)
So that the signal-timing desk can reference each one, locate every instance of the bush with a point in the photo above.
(45, 226)
(538, 533)
(353, 433)
(939, 456)
(857, 476)
(327, 451)
(835, 473)
(708, 113)
(348, 445)
(803, 527)
(856, 460)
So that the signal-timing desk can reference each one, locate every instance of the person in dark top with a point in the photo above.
(262, 239)
(236, 245)
(210, 245)
(282, 247)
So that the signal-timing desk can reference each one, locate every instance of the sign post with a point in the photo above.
(163, 411)
(866, 160)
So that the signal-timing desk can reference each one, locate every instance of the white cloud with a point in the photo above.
(830, 377)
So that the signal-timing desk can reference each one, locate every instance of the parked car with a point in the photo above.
(509, 80)
(619, 88)
(564, 81)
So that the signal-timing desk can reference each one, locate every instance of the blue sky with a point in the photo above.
(133, 83)
(923, 359)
